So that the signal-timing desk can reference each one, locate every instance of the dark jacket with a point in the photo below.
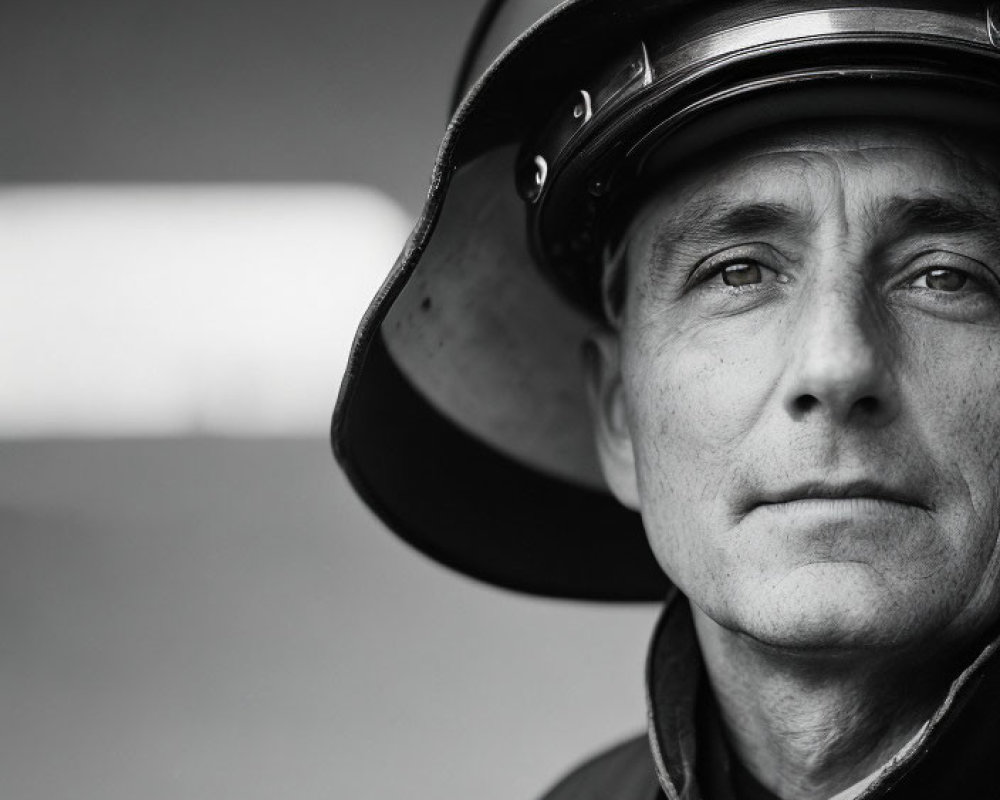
(956, 754)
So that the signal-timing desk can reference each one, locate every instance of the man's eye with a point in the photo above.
(953, 286)
(738, 272)
(942, 280)
(742, 273)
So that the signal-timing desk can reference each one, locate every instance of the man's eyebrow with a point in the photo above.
(898, 217)
(712, 219)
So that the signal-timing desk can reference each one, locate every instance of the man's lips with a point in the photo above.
(833, 490)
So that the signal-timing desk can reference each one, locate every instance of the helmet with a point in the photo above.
(462, 418)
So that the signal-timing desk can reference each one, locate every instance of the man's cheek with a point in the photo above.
(709, 400)
(688, 442)
(957, 407)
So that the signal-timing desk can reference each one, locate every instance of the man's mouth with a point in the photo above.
(849, 492)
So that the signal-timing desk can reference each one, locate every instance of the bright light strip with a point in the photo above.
(159, 310)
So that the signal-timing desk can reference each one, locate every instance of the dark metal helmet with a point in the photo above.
(462, 418)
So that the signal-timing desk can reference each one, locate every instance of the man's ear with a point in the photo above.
(609, 414)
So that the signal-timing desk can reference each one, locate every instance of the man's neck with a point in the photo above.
(807, 726)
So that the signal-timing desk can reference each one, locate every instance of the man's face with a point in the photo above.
(803, 398)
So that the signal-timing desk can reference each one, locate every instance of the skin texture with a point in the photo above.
(815, 450)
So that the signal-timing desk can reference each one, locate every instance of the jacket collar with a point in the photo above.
(953, 754)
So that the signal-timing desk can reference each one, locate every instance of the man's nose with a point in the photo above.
(841, 365)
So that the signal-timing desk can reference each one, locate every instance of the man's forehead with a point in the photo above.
(776, 175)
(847, 136)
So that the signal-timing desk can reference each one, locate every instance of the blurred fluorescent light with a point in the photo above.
(152, 310)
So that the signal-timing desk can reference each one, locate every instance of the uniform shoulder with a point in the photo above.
(624, 772)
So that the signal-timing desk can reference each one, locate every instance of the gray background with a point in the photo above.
(210, 618)
(302, 90)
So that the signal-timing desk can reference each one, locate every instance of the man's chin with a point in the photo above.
(835, 608)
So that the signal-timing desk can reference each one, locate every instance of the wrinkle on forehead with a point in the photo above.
(846, 138)
(680, 211)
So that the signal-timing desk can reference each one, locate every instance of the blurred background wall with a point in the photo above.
(196, 201)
